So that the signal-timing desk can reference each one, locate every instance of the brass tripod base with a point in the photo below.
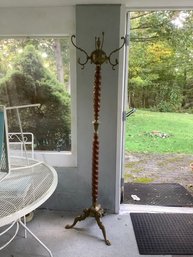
(96, 212)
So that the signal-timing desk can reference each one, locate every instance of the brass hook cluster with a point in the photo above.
(98, 56)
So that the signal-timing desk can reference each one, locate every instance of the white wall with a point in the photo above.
(74, 188)
(91, 21)
(37, 21)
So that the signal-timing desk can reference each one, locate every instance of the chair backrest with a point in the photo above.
(5, 165)
(4, 155)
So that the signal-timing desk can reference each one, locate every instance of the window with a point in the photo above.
(38, 70)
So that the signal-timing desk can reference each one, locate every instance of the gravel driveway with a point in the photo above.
(160, 168)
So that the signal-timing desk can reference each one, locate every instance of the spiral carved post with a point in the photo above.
(97, 57)
(95, 147)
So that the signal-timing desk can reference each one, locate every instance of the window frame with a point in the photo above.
(64, 158)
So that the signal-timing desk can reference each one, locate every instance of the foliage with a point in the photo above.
(161, 60)
(144, 180)
(174, 130)
(30, 83)
(10, 48)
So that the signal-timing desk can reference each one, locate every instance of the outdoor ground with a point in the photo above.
(160, 168)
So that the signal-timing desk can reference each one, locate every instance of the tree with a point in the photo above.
(59, 61)
(160, 59)
(54, 52)
(31, 82)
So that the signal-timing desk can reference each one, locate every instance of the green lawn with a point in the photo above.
(141, 135)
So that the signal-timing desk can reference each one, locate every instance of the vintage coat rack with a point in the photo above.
(97, 57)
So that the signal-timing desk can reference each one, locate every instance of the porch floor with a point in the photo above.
(85, 240)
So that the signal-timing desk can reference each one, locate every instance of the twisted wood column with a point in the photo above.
(95, 146)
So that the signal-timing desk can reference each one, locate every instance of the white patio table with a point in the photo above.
(25, 184)
(23, 191)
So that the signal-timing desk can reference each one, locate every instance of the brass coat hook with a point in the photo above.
(98, 56)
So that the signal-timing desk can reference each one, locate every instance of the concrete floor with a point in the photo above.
(85, 240)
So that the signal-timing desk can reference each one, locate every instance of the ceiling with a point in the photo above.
(129, 3)
(38, 3)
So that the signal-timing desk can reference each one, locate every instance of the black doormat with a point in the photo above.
(162, 194)
(163, 233)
